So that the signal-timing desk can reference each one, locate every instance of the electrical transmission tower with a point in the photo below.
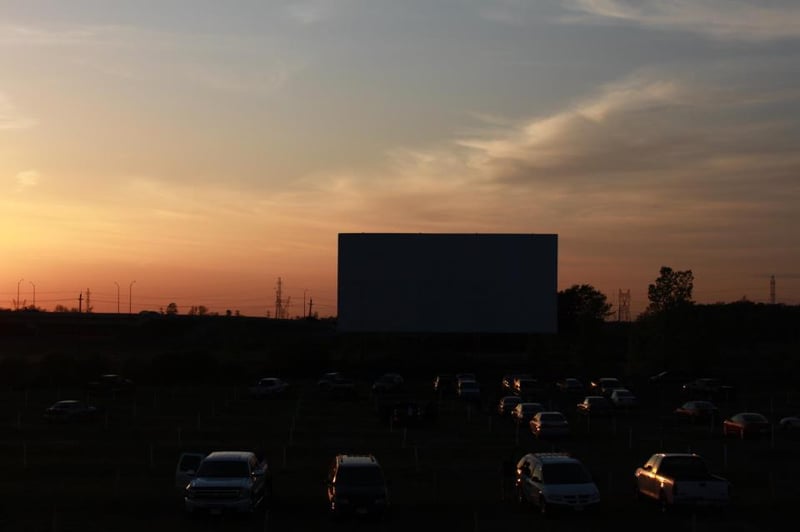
(278, 301)
(624, 306)
(772, 289)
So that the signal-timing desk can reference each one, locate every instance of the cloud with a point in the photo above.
(11, 118)
(724, 19)
(312, 11)
(27, 179)
(11, 34)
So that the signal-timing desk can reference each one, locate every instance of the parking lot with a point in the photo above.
(116, 472)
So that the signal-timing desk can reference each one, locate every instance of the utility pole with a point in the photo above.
(772, 290)
(16, 303)
(88, 301)
(278, 301)
(80, 302)
(34, 294)
(130, 299)
(310, 304)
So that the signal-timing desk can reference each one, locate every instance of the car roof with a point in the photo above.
(357, 459)
(230, 455)
(550, 458)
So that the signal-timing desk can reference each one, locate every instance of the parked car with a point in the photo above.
(596, 405)
(185, 469)
(469, 390)
(336, 384)
(356, 486)
(268, 387)
(680, 479)
(570, 385)
(388, 382)
(623, 398)
(528, 388)
(507, 403)
(70, 410)
(549, 424)
(444, 384)
(555, 481)
(746, 425)
(507, 382)
(698, 410)
(605, 385)
(790, 424)
(524, 412)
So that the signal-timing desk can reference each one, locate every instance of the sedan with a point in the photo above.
(746, 425)
(550, 424)
(696, 410)
(623, 398)
(506, 404)
(596, 405)
(70, 410)
(525, 411)
(790, 424)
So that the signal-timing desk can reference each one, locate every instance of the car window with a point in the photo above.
(360, 476)
(223, 469)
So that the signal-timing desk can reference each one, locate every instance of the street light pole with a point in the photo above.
(34, 294)
(116, 283)
(130, 301)
(16, 306)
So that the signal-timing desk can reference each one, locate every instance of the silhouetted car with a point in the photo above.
(549, 424)
(605, 385)
(356, 486)
(444, 383)
(524, 412)
(506, 404)
(469, 390)
(388, 382)
(623, 398)
(790, 424)
(596, 405)
(111, 383)
(337, 384)
(746, 425)
(570, 385)
(698, 410)
(70, 410)
(268, 387)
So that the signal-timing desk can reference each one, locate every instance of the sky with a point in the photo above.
(197, 152)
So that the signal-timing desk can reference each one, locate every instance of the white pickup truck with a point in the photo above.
(680, 479)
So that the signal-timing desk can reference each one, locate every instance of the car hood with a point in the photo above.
(572, 489)
(234, 482)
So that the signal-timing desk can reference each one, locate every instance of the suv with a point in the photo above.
(551, 481)
(356, 486)
(228, 481)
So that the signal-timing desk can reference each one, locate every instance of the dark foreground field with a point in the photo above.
(116, 474)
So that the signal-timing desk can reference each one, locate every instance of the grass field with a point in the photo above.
(116, 473)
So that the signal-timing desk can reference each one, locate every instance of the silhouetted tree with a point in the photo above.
(172, 309)
(671, 290)
(582, 305)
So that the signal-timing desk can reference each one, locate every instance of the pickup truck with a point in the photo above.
(228, 481)
(680, 479)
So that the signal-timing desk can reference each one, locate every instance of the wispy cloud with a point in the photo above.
(27, 35)
(726, 19)
(313, 11)
(11, 117)
(27, 179)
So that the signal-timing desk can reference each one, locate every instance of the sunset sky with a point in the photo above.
(195, 151)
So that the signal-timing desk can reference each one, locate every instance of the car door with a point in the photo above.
(186, 468)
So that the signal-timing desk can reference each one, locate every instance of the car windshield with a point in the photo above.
(223, 469)
(360, 476)
(566, 473)
(469, 385)
(684, 468)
